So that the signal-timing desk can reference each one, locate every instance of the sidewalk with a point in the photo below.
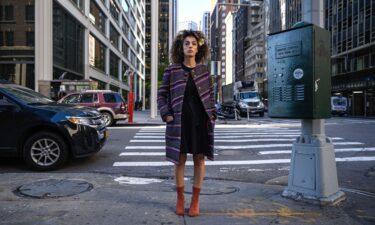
(222, 202)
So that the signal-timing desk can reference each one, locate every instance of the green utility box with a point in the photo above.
(299, 73)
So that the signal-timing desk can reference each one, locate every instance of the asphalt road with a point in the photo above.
(261, 145)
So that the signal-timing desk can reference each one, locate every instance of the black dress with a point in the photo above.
(194, 119)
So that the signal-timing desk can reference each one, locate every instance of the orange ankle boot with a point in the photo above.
(194, 205)
(180, 205)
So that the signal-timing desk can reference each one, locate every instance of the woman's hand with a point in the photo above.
(169, 119)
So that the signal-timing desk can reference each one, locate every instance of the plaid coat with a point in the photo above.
(170, 101)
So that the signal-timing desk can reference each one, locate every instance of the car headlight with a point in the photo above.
(80, 120)
(242, 105)
(261, 105)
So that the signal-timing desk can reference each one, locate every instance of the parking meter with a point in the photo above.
(299, 73)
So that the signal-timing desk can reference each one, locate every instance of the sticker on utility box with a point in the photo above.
(298, 73)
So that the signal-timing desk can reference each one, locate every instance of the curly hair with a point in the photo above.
(177, 52)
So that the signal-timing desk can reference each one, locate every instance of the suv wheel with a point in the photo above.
(261, 114)
(108, 119)
(45, 151)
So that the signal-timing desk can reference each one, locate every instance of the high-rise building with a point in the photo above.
(255, 45)
(283, 14)
(352, 26)
(206, 23)
(240, 44)
(218, 33)
(167, 31)
(229, 56)
(95, 40)
(187, 25)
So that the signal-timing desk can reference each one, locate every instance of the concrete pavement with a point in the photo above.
(152, 201)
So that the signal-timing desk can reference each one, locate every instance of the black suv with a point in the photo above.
(45, 133)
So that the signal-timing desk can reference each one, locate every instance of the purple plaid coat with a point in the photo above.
(170, 101)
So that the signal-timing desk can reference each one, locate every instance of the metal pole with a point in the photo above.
(154, 56)
(313, 173)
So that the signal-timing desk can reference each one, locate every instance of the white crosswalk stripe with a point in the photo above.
(148, 145)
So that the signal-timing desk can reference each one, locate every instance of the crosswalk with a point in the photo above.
(236, 145)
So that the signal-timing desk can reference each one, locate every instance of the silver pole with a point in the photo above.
(154, 56)
(313, 172)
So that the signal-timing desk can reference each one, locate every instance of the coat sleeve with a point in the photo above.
(163, 99)
(212, 98)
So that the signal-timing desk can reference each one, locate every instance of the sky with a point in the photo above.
(192, 10)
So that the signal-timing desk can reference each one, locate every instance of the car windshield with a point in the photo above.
(245, 95)
(339, 101)
(26, 95)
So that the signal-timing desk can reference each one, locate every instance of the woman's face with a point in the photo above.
(190, 46)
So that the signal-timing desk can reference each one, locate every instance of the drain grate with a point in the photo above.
(53, 188)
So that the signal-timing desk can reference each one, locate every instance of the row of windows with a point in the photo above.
(7, 12)
(97, 57)
(7, 38)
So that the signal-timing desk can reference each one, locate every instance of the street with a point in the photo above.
(247, 153)
(252, 152)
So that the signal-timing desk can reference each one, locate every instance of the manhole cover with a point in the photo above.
(207, 190)
(53, 188)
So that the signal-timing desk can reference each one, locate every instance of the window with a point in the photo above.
(1, 38)
(97, 17)
(114, 36)
(113, 59)
(9, 38)
(96, 53)
(79, 3)
(109, 97)
(114, 11)
(88, 98)
(68, 38)
(30, 12)
(71, 98)
(30, 38)
(8, 12)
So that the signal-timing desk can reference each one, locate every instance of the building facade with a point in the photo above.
(218, 41)
(240, 44)
(352, 26)
(95, 40)
(255, 46)
(187, 25)
(206, 21)
(167, 31)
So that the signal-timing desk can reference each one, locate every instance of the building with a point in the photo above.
(187, 25)
(167, 31)
(255, 46)
(229, 47)
(352, 26)
(218, 41)
(240, 44)
(283, 14)
(95, 40)
(206, 21)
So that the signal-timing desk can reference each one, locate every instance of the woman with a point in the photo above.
(186, 104)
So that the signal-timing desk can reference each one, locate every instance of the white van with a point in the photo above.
(339, 105)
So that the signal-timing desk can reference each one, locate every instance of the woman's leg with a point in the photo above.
(179, 176)
(180, 170)
(198, 170)
(198, 180)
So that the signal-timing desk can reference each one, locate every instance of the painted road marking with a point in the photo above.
(144, 154)
(336, 150)
(239, 162)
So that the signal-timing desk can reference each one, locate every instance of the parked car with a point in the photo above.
(110, 104)
(44, 133)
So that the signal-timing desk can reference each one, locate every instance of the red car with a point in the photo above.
(110, 104)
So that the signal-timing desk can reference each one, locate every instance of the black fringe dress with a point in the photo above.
(194, 135)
